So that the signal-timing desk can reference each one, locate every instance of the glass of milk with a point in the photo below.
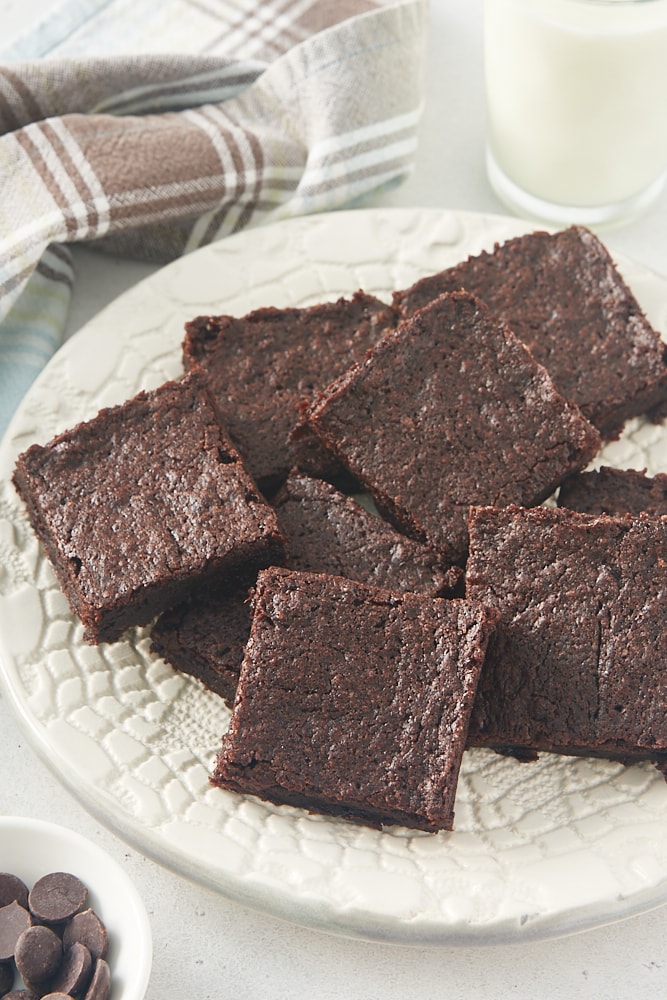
(576, 107)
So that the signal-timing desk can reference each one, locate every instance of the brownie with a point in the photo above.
(325, 532)
(576, 663)
(562, 295)
(354, 701)
(205, 637)
(143, 503)
(447, 410)
(614, 491)
(263, 365)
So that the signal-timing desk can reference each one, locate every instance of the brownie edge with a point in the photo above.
(354, 701)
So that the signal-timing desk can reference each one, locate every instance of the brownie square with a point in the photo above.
(263, 365)
(576, 663)
(141, 504)
(354, 701)
(562, 295)
(614, 491)
(451, 409)
(205, 637)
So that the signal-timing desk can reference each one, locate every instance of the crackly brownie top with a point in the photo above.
(354, 700)
(564, 297)
(614, 491)
(143, 490)
(452, 409)
(263, 365)
(326, 531)
(576, 661)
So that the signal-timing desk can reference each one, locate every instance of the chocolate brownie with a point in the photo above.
(614, 491)
(205, 637)
(141, 504)
(325, 532)
(353, 700)
(448, 410)
(563, 296)
(263, 365)
(576, 663)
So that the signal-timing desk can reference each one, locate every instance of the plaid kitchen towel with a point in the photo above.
(257, 111)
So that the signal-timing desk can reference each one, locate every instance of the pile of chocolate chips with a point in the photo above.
(57, 947)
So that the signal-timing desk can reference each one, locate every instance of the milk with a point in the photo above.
(577, 104)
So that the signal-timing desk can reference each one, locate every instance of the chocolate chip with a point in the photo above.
(14, 920)
(6, 977)
(57, 897)
(87, 928)
(100, 984)
(12, 888)
(56, 962)
(38, 954)
(75, 970)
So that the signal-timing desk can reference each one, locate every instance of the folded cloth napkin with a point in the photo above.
(263, 109)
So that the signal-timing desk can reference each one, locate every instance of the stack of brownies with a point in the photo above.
(335, 521)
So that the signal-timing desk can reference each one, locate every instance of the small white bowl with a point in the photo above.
(30, 848)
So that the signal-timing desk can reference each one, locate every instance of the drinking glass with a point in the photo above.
(576, 107)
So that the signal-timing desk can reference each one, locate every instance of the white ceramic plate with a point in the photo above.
(31, 848)
(538, 849)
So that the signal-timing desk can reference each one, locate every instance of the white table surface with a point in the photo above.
(206, 946)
